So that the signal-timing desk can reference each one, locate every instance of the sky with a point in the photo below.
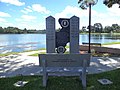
(31, 14)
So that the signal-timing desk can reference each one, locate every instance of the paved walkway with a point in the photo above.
(13, 65)
(113, 46)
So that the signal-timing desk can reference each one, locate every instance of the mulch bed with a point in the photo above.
(99, 54)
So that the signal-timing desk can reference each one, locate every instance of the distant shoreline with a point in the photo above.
(79, 33)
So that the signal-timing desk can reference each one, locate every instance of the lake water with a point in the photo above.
(23, 42)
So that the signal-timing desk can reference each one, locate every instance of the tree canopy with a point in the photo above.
(98, 28)
(109, 3)
(15, 30)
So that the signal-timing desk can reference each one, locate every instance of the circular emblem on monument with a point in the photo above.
(65, 23)
(60, 49)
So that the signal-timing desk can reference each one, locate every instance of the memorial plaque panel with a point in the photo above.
(74, 34)
(50, 34)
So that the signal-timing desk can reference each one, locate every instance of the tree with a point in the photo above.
(98, 27)
(115, 28)
(83, 29)
(25, 30)
(12, 30)
(92, 28)
(8, 30)
(109, 3)
(108, 29)
(1, 30)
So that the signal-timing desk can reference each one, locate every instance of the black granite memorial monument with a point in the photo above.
(63, 36)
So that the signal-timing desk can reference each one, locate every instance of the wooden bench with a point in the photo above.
(65, 61)
(92, 44)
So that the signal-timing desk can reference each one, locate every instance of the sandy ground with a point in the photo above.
(24, 64)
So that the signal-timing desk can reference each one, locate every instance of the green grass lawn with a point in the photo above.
(111, 43)
(63, 83)
(6, 54)
(35, 50)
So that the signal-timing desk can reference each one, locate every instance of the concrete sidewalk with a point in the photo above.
(113, 46)
(13, 65)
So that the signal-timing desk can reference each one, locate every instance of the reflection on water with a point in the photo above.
(112, 36)
(18, 47)
(23, 42)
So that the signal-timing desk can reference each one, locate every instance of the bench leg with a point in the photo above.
(45, 75)
(84, 80)
(45, 79)
(84, 75)
(80, 75)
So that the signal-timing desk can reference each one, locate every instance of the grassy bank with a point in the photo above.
(63, 83)
(12, 53)
(6, 54)
(103, 33)
(111, 43)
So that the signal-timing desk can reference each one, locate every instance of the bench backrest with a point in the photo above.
(92, 44)
(64, 60)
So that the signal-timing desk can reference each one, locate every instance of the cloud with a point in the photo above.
(36, 8)
(13, 2)
(25, 19)
(30, 25)
(110, 17)
(3, 14)
(39, 8)
(67, 12)
(70, 11)
(114, 11)
(28, 17)
(5, 23)
(27, 10)
(2, 20)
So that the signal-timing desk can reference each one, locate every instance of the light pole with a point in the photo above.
(89, 51)
(83, 5)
